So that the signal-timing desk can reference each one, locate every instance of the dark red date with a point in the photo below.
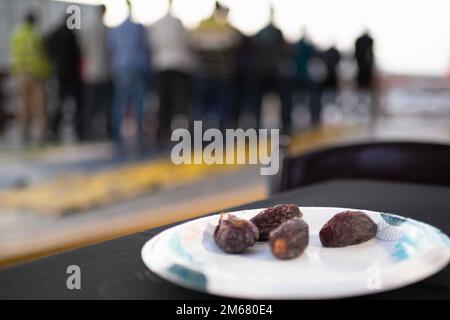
(234, 235)
(347, 228)
(270, 218)
(290, 239)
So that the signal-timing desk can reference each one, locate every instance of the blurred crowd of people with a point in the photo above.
(213, 73)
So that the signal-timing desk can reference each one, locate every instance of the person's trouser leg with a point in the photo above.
(208, 94)
(119, 105)
(285, 93)
(204, 97)
(316, 104)
(213, 103)
(63, 92)
(91, 103)
(259, 91)
(197, 108)
(181, 98)
(167, 92)
(98, 108)
(25, 106)
(224, 100)
(138, 90)
(79, 118)
(40, 107)
(107, 101)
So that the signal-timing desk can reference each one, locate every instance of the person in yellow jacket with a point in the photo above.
(31, 67)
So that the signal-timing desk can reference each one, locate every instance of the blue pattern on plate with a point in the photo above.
(177, 248)
(191, 278)
(389, 228)
(410, 235)
(393, 220)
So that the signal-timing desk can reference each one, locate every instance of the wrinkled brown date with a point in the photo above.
(234, 235)
(347, 228)
(270, 218)
(290, 239)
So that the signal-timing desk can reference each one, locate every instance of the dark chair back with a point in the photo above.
(395, 161)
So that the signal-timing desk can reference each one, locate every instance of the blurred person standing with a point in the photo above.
(271, 53)
(96, 77)
(365, 78)
(243, 110)
(311, 72)
(216, 43)
(173, 63)
(3, 115)
(31, 67)
(364, 60)
(331, 57)
(317, 70)
(65, 53)
(130, 64)
(304, 50)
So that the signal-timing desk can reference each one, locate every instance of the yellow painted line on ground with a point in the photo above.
(321, 137)
(79, 192)
(83, 191)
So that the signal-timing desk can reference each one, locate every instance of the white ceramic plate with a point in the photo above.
(403, 252)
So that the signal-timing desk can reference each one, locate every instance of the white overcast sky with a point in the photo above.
(412, 36)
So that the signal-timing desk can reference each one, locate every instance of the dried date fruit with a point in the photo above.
(270, 218)
(347, 228)
(234, 235)
(290, 239)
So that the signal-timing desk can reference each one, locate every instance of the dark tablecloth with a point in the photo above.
(114, 270)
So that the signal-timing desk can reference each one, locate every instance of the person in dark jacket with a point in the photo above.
(216, 42)
(96, 75)
(311, 74)
(173, 62)
(65, 54)
(365, 79)
(365, 60)
(331, 58)
(271, 53)
(244, 82)
(130, 65)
